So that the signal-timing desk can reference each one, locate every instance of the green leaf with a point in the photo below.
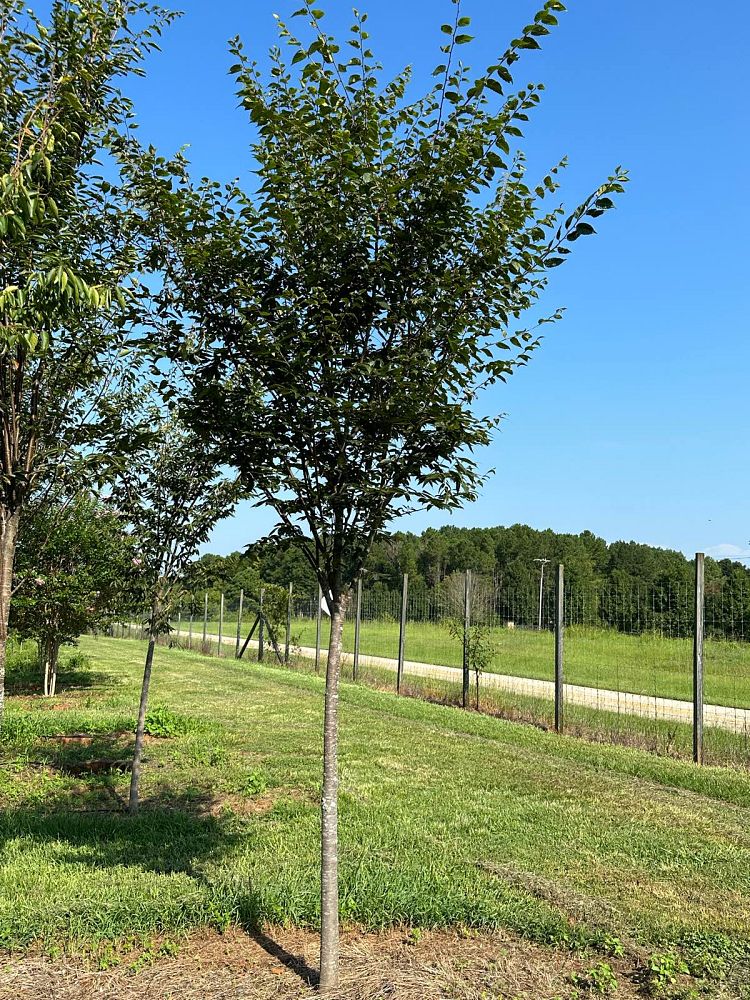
(582, 229)
(464, 39)
(447, 29)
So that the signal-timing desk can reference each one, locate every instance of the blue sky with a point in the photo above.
(632, 421)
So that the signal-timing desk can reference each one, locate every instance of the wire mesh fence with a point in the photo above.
(613, 664)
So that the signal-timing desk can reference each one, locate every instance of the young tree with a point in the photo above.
(74, 573)
(172, 498)
(69, 244)
(343, 318)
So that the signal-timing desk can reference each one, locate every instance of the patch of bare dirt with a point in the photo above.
(280, 965)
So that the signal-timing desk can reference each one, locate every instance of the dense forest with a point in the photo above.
(627, 585)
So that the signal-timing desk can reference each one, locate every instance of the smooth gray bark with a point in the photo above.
(329, 897)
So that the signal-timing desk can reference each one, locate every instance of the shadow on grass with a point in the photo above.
(25, 678)
(164, 839)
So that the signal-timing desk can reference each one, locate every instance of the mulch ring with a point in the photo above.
(280, 965)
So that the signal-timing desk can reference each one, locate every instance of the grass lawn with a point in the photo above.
(645, 664)
(447, 818)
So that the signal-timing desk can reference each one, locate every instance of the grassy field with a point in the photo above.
(447, 818)
(646, 664)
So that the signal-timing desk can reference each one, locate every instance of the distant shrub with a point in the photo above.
(77, 662)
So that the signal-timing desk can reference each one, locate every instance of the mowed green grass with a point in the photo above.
(447, 818)
(645, 664)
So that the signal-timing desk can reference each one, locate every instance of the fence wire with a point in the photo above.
(628, 653)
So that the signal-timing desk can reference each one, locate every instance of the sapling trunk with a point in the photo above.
(8, 539)
(329, 897)
(54, 657)
(51, 656)
(135, 775)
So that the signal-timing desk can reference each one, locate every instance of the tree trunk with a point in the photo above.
(8, 539)
(135, 775)
(329, 897)
(44, 649)
(54, 656)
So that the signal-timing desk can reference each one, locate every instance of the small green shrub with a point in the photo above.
(254, 783)
(164, 723)
(599, 979)
(76, 662)
(662, 972)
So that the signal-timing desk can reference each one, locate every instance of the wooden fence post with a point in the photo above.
(357, 624)
(467, 639)
(700, 603)
(239, 626)
(190, 626)
(179, 620)
(221, 626)
(317, 630)
(261, 632)
(205, 617)
(288, 641)
(402, 633)
(559, 648)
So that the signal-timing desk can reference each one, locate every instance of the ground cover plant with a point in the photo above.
(448, 819)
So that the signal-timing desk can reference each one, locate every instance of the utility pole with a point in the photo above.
(542, 564)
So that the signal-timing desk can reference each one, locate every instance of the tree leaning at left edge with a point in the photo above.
(339, 322)
(69, 246)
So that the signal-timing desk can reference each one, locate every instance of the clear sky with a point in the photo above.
(632, 421)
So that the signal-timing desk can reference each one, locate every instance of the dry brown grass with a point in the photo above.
(280, 966)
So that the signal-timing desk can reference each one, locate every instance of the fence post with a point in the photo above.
(467, 627)
(559, 648)
(357, 623)
(288, 641)
(700, 600)
(179, 620)
(261, 633)
(190, 626)
(317, 630)
(239, 626)
(221, 625)
(205, 617)
(402, 633)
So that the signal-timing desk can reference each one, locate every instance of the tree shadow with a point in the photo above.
(295, 963)
(165, 840)
(24, 677)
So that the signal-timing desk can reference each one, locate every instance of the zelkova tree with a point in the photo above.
(339, 322)
(69, 245)
(172, 497)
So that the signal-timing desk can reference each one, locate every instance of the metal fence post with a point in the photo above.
(559, 650)
(190, 626)
(357, 623)
(205, 617)
(261, 634)
(179, 620)
(402, 633)
(317, 630)
(467, 639)
(700, 600)
(288, 641)
(221, 626)
(239, 626)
